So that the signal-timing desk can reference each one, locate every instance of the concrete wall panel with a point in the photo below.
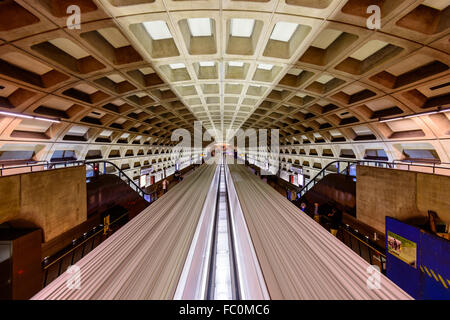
(399, 194)
(10, 197)
(54, 200)
(384, 192)
(433, 193)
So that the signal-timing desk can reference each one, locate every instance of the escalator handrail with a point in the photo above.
(53, 165)
(121, 173)
(350, 163)
(322, 172)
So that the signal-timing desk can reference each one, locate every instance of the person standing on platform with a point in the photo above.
(178, 176)
(165, 184)
(303, 207)
(335, 216)
(316, 212)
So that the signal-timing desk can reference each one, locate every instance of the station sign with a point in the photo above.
(147, 170)
(296, 170)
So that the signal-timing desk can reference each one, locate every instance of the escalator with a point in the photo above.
(222, 263)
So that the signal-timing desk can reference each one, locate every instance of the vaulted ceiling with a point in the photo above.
(136, 70)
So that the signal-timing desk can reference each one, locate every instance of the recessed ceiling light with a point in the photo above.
(242, 27)
(106, 133)
(115, 78)
(283, 31)
(206, 63)
(78, 130)
(235, 64)
(157, 30)
(324, 79)
(265, 66)
(177, 66)
(147, 70)
(200, 27)
(69, 47)
(326, 38)
(368, 49)
(295, 71)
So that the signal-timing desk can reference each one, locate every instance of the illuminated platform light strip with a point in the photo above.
(415, 115)
(18, 115)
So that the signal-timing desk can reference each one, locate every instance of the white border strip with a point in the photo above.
(192, 284)
(252, 285)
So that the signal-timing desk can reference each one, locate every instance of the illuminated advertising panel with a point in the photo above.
(143, 181)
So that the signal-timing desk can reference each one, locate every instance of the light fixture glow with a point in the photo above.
(283, 31)
(48, 120)
(324, 79)
(177, 66)
(11, 114)
(265, 66)
(200, 27)
(242, 27)
(18, 115)
(206, 63)
(381, 120)
(157, 30)
(421, 114)
(235, 64)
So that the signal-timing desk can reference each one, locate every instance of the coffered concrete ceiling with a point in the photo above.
(138, 69)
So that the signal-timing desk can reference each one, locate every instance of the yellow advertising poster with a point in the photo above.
(402, 248)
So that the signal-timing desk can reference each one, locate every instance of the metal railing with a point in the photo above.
(40, 166)
(359, 243)
(94, 164)
(365, 250)
(433, 165)
(351, 163)
(83, 244)
(5, 164)
(149, 197)
(28, 166)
